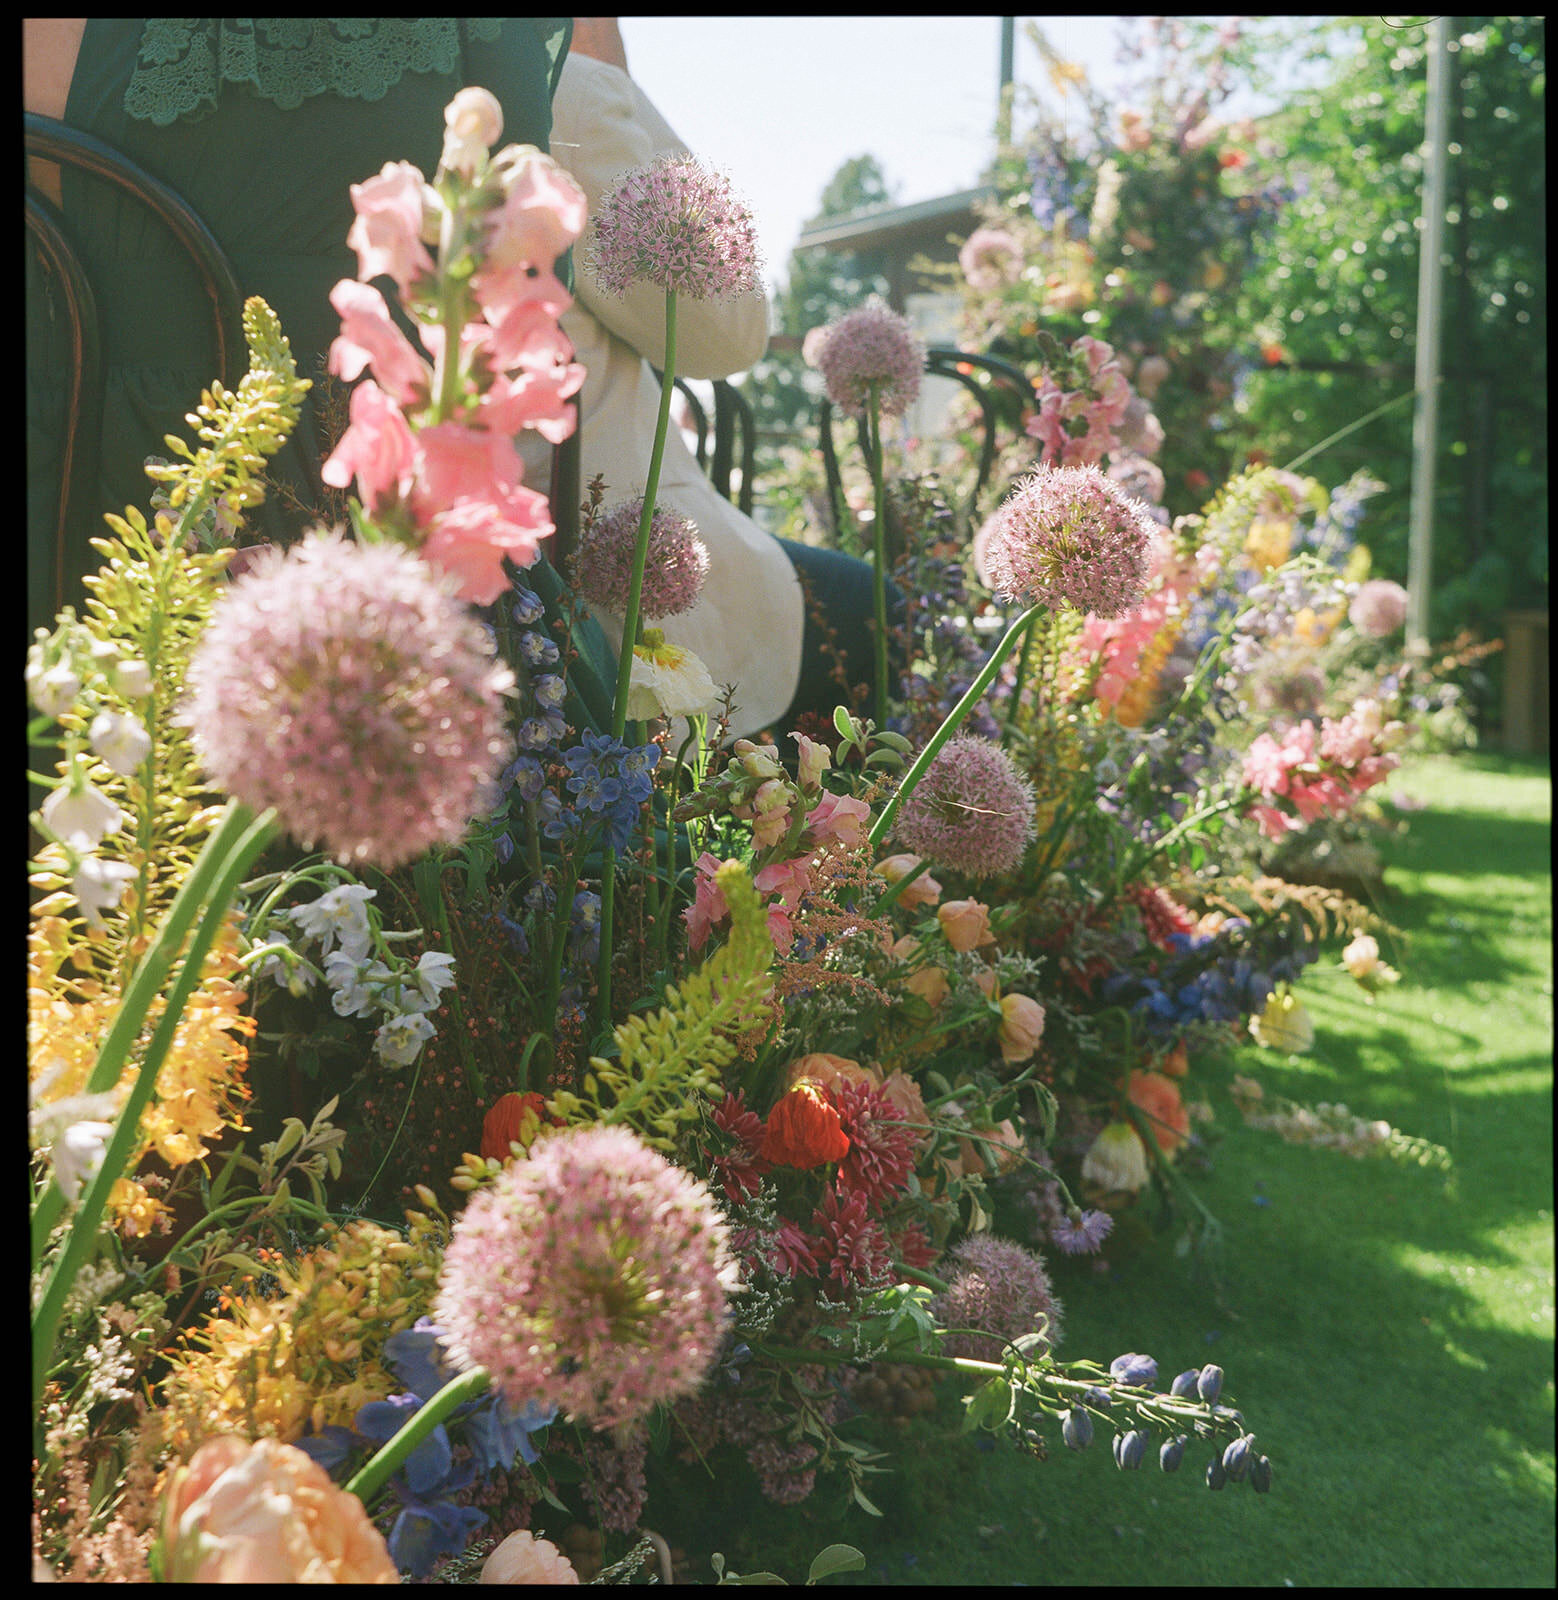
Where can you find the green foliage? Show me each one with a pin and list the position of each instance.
(1337, 283)
(669, 1061)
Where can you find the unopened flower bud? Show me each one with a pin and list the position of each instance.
(1077, 1429)
(1172, 1453)
(1130, 1450)
(1185, 1383)
(1210, 1383)
(1099, 1397)
(1138, 1371)
(1236, 1458)
(1260, 1474)
(132, 679)
(1216, 1478)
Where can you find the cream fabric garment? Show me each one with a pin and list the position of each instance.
(748, 622)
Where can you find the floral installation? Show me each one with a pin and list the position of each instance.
(451, 1109)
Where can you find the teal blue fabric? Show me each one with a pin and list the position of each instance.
(272, 183)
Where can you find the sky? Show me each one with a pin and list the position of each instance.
(780, 103)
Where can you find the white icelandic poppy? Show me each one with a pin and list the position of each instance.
(667, 681)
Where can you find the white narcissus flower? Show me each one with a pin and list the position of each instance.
(99, 886)
(434, 974)
(358, 984)
(667, 681)
(80, 815)
(399, 1042)
(339, 915)
(120, 741)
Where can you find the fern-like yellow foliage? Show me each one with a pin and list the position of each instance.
(151, 601)
(669, 1061)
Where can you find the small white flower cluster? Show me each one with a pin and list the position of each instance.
(73, 1130)
(367, 978)
(72, 675)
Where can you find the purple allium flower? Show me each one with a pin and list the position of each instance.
(1378, 608)
(871, 345)
(592, 1274)
(678, 225)
(674, 568)
(1068, 536)
(1084, 1236)
(972, 810)
(345, 685)
(1001, 1290)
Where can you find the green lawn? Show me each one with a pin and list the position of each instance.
(1389, 1335)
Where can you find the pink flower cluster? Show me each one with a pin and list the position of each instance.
(593, 1275)
(870, 348)
(345, 686)
(1077, 426)
(676, 565)
(1319, 772)
(996, 1292)
(436, 461)
(1378, 608)
(1121, 643)
(990, 258)
(1068, 536)
(971, 811)
(678, 225)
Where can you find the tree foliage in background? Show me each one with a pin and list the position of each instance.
(1337, 283)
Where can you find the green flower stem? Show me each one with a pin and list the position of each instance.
(371, 1476)
(878, 545)
(238, 856)
(145, 986)
(971, 697)
(1133, 865)
(1022, 676)
(632, 634)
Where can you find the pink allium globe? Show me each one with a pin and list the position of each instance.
(674, 569)
(971, 811)
(991, 258)
(592, 1275)
(1378, 608)
(344, 685)
(1068, 536)
(676, 224)
(1000, 1291)
(871, 346)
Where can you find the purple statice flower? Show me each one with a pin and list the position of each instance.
(593, 1275)
(1069, 536)
(1082, 1235)
(971, 811)
(346, 686)
(996, 1291)
(870, 348)
(678, 225)
(675, 566)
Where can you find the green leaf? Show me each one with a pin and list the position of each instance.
(989, 1406)
(835, 1558)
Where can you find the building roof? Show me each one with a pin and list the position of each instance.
(877, 227)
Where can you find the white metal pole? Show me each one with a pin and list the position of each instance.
(1430, 277)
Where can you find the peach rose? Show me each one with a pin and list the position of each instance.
(966, 924)
(261, 1511)
(1022, 1026)
(523, 1558)
(984, 982)
(924, 891)
(828, 1070)
(929, 983)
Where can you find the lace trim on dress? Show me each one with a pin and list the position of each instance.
(183, 61)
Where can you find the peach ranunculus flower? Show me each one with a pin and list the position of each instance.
(1022, 1026)
(523, 1558)
(827, 1070)
(259, 1511)
(966, 924)
(924, 891)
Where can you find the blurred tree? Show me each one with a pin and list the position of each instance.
(820, 285)
(1335, 289)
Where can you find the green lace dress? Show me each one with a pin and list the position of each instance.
(261, 124)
